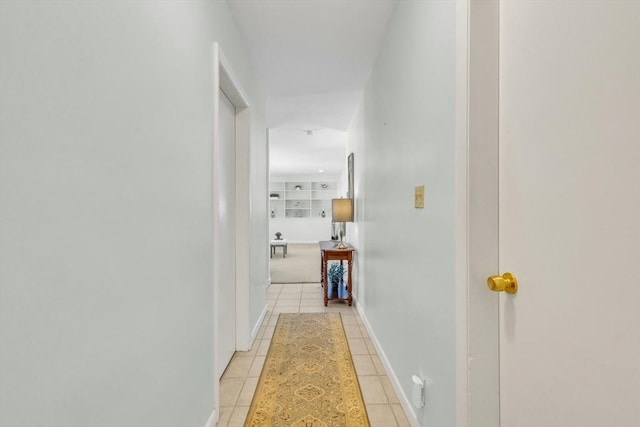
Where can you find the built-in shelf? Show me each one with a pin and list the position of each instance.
(306, 199)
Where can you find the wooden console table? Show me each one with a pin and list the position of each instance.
(329, 252)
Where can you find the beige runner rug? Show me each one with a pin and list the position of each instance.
(308, 379)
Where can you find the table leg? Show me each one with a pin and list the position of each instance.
(321, 268)
(325, 288)
(350, 297)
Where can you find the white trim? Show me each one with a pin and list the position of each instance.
(462, 212)
(404, 401)
(243, 230)
(224, 79)
(216, 218)
(213, 419)
(230, 85)
(477, 123)
(258, 325)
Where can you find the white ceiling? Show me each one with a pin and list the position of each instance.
(313, 59)
(297, 153)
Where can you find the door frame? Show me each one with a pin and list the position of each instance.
(226, 80)
(477, 215)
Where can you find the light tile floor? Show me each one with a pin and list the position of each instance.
(241, 377)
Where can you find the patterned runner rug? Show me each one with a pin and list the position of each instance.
(308, 379)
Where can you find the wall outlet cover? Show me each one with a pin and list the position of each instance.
(419, 196)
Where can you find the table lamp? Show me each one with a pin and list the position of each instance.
(342, 211)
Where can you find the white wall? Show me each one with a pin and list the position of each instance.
(301, 230)
(106, 213)
(407, 123)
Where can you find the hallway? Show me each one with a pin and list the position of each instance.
(518, 119)
(241, 377)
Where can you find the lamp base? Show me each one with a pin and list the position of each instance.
(341, 244)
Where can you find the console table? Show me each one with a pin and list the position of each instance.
(329, 252)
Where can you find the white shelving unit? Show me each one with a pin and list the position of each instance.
(301, 199)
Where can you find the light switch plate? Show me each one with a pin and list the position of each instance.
(419, 196)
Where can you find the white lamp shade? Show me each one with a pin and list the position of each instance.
(342, 210)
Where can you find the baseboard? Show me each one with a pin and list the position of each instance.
(404, 401)
(213, 419)
(257, 326)
(267, 282)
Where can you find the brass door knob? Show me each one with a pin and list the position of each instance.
(507, 283)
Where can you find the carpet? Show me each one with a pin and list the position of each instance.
(302, 264)
(308, 378)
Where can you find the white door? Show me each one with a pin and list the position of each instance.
(570, 213)
(227, 230)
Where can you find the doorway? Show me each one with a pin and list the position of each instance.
(226, 208)
(231, 217)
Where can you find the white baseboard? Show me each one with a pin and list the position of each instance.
(213, 419)
(257, 326)
(404, 401)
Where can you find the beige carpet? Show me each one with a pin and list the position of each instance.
(302, 264)
(308, 378)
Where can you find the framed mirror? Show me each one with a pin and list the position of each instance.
(350, 192)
